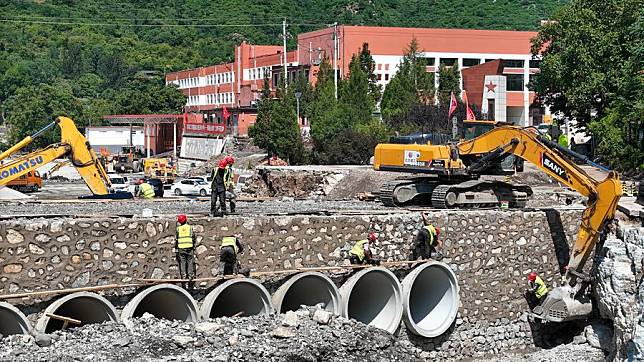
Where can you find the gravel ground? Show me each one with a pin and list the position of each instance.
(564, 352)
(305, 335)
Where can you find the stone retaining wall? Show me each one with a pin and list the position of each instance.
(492, 252)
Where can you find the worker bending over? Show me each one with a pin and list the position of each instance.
(231, 246)
(144, 190)
(219, 175)
(185, 248)
(427, 242)
(361, 252)
(537, 290)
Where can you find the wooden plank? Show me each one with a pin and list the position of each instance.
(64, 319)
(69, 290)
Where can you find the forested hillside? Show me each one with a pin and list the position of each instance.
(89, 52)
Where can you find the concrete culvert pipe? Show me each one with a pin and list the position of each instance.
(163, 301)
(308, 288)
(430, 299)
(373, 296)
(86, 307)
(237, 297)
(12, 321)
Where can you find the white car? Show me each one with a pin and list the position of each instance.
(119, 183)
(191, 187)
(206, 179)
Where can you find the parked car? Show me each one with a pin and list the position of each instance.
(206, 179)
(119, 183)
(191, 187)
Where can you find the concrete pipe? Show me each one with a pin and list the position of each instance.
(86, 307)
(237, 297)
(12, 321)
(373, 296)
(430, 299)
(162, 301)
(308, 288)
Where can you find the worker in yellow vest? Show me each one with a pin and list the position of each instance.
(229, 184)
(361, 252)
(537, 290)
(185, 248)
(427, 242)
(145, 190)
(231, 246)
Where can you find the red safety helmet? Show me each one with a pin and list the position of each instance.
(532, 276)
(182, 219)
(229, 159)
(438, 231)
(222, 163)
(140, 181)
(372, 237)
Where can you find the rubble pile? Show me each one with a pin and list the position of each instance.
(283, 182)
(306, 335)
(619, 293)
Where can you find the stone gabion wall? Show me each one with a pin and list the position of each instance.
(490, 251)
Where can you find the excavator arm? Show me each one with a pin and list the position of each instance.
(603, 197)
(73, 145)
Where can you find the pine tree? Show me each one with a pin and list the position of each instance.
(260, 131)
(284, 132)
(326, 118)
(355, 98)
(449, 81)
(369, 67)
(411, 85)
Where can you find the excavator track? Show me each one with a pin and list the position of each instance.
(467, 194)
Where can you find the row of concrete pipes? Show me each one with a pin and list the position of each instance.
(427, 300)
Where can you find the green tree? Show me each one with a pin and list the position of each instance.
(369, 67)
(590, 72)
(33, 107)
(411, 85)
(260, 131)
(356, 100)
(449, 79)
(276, 128)
(327, 119)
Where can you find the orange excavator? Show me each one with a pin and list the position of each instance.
(74, 146)
(480, 156)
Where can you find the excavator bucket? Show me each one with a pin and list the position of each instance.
(560, 305)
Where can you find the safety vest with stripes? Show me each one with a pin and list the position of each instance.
(229, 241)
(431, 230)
(147, 190)
(358, 249)
(542, 289)
(184, 236)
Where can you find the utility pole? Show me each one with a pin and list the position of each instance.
(335, 58)
(285, 60)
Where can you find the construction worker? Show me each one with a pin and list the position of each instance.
(537, 290)
(427, 241)
(229, 183)
(219, 175)
(185, 249)
(361, 251)
(144, 190)
(228, 262)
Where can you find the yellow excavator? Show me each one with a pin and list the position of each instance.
(477, 155)
(74, 146)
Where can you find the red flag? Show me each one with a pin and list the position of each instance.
(452, 106)
(225, 113)
(470, 114)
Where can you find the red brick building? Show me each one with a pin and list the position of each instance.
(237, 85)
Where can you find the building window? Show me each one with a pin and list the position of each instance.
(534, 63)
(431, 61)
(489, 60)
(490, 109)
(386, 77)
(448, 61)
(513, 63)
(470, 62)
(379, 66)
(515, 82)
(379, 76)
(386, 66)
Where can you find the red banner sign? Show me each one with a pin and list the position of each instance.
(205, 128)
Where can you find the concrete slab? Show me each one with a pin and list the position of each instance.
(629, 206)
(7, 193)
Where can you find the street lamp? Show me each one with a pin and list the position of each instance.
(298, 95)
